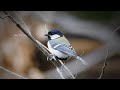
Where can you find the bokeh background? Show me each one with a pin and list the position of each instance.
(94, 35)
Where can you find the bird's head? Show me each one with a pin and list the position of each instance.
(53, 34)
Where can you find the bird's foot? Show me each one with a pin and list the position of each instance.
(51, 57)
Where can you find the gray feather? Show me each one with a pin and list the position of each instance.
(65, 48)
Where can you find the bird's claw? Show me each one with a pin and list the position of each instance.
(51, 57)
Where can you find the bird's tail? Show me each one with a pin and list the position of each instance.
(80, 59)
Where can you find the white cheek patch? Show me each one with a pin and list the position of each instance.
(54, 36)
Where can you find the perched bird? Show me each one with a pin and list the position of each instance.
(60, 47)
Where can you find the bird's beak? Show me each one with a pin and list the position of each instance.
(46, 35)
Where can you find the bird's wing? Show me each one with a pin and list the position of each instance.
(65, 48)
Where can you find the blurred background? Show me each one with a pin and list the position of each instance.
(95, 35)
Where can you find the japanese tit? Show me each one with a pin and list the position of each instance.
(60, 47)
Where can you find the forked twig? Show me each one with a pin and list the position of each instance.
(4, 17)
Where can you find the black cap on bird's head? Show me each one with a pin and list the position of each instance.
(53, 32)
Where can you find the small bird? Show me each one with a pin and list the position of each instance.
(60, 47)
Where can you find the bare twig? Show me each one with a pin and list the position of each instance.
(105, 62)
(4, 17)
(13, 73)
(104, 66)
(59, 71)
(67, 69)
(116, 29)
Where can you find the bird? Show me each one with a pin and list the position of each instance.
(60, 47)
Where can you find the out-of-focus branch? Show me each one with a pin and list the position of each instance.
(13, 73)
(116, 29)
(4, 17)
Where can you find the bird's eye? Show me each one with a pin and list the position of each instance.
(51, 33)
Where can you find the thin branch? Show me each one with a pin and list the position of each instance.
(59, 71)
(105, 62)
(12, 73)
(116, 29)
(104, 66)
(67, 69)
(4, 17)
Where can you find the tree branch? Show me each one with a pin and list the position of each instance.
(104, 66)
(116, 29)
(43, 48)
(13, 73)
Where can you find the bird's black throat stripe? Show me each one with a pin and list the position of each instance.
(61, 58)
